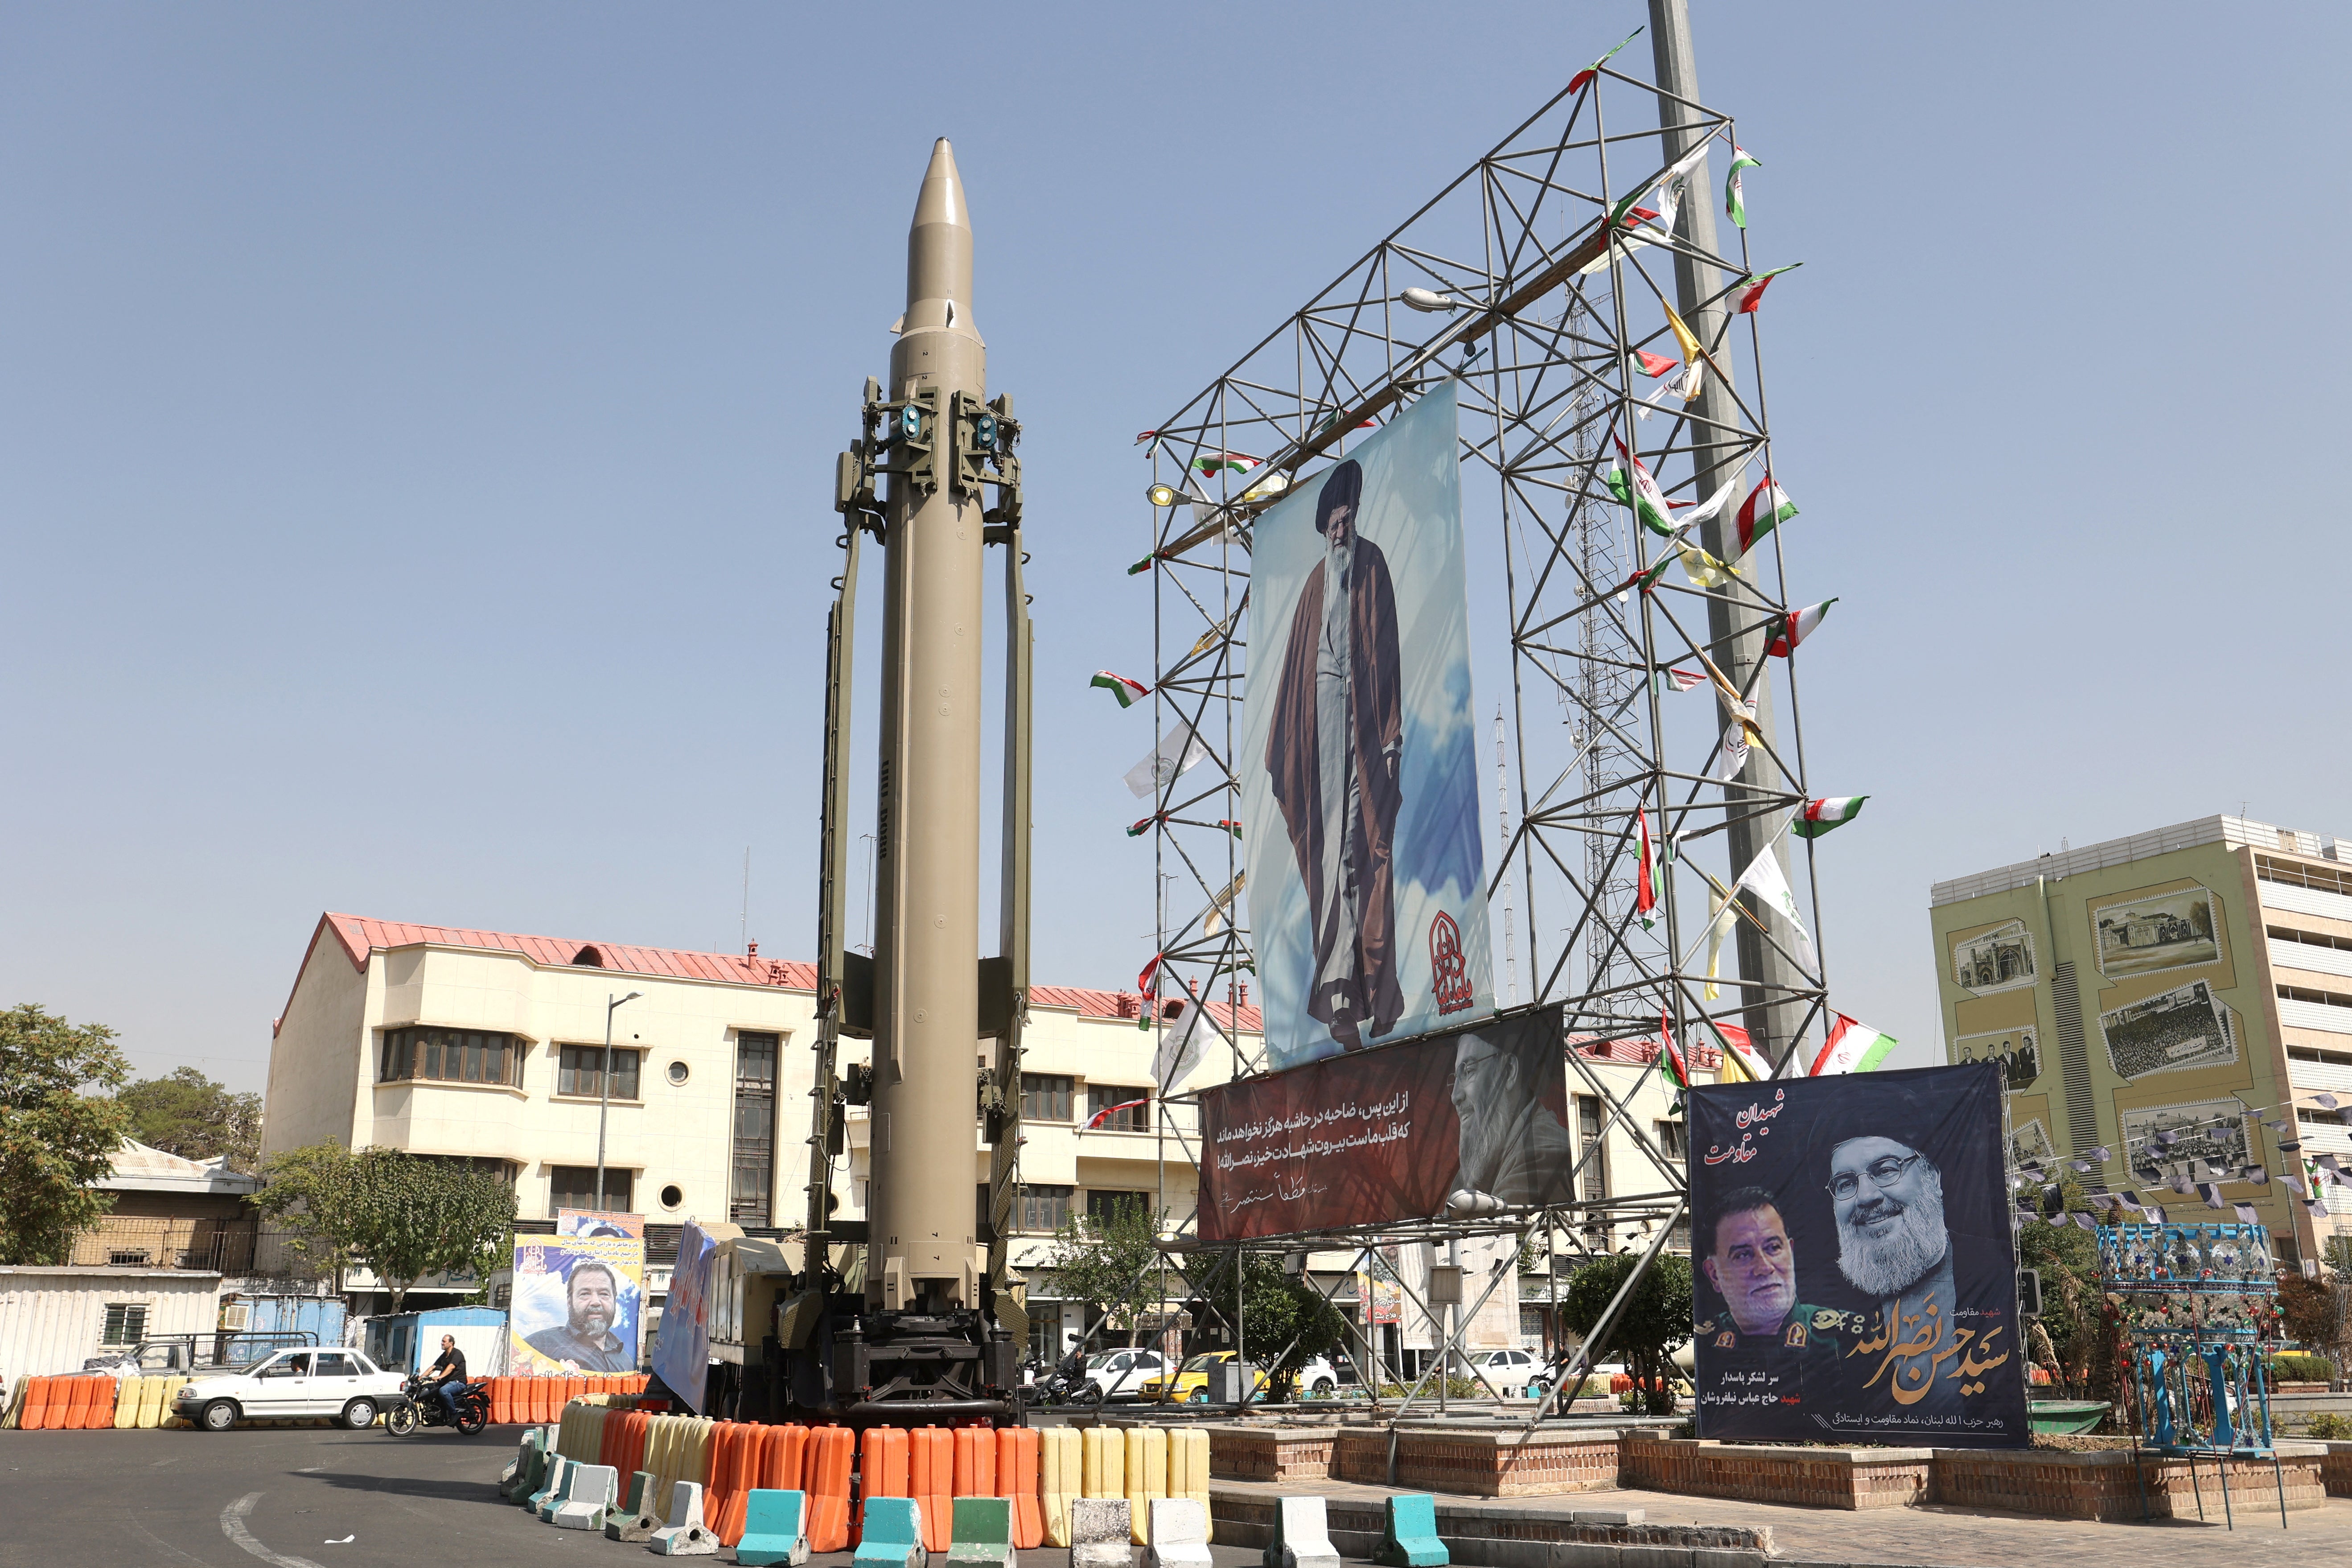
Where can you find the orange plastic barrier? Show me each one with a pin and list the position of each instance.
(544, 1404)
(779, 1471)
(719, 1478)
(744, 1465)
(37, 1404)
(975, 1461)
(77, 1404)
(829, 1453)
(931, 1479)
(1016, 1478)
(101, 1400)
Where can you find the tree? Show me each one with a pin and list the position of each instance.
(189, 1115)
(55, 1137)
(1653, 1326)
(1106, 1260)
(2318, 1312)
(1278, 1316)
(404, 1215)
(2078, 1339)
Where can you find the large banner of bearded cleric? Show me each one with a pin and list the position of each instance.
(1473, 1122)
(1856, 1271)
(1358, 761)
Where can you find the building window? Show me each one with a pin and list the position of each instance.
(1135, 1118)
(1043, 1208)
(1103, 1204)
(748, 1200)
(580, 1068)
(2321, 879)
(1674, 1140)
(574, 1187)
(450, 1056)
(126, 1323)
(1045, 1332)
(1044, 1097)
(2306, 993)
(1594, 1183)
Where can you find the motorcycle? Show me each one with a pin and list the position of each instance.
(1068, 1383)
(420, 1406)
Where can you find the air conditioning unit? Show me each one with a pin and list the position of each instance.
(237, 1316)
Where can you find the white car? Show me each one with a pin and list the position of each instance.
(1119, 1374)
(313, 1381)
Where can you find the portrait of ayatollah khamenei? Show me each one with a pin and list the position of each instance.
(1358, 761)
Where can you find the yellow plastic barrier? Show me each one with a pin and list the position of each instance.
(1060, 1477)
(1188, 1466)
(1147, 1478)
(126, 1402)
(150, 1402)
(1100, 1465)
(172, 1386)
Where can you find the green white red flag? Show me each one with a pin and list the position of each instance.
(1819, 816)
(1851, 1048)
(1576, 83)
(1655, 365)
(1768, 506)
(1648, 502)
(1748, 293)
(1647, 578)
(1798, 625)
(1732, 205)
(1741, 1049)
(1645, 886)
(1670, 1055)
(1239, 462)
(1122, 688)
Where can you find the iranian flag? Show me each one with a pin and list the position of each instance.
(1768, 506)
(1108, 1112)
(1748, 293)
(1140, 829)
(1123, 690)
(1641, 493)
(1741, 1049)
(1655, 365)
(1732, 205)
(1819, 816)
(1798, 625)
(1239, 462)
(1576, 83)
(1648, 577)
(1645, 887)
(1682, 679)
(1851, 1048)
(1143, 979)
(1670, 1055)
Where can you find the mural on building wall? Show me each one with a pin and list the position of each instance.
(2173, 1031)
(1998, 959)
(2144, 936)
(2177, 1145)
(2018, 1052)
(2031, 1145)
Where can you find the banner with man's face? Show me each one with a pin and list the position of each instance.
(1856, 1270)
(1358, 758)
(578, 1296)
(1470, 1122)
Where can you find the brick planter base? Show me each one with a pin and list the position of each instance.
(2336, 1468)
(1809, 1478)
(1472, 1463)
(2104, 1486)
(1270, 1453)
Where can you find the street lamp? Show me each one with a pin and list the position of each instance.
(605, 1087)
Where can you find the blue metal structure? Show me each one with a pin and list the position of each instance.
(2198, 1303)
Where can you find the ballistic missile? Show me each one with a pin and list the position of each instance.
(922, 1252)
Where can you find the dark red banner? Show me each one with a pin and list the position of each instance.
(1475, 1118)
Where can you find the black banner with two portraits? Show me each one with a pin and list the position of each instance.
(1856, 1273)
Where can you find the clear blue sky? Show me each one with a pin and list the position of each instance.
(417, 423)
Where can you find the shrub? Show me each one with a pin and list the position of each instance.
(2328, 1427)
(2290, 1368)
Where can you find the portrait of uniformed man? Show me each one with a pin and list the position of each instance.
(1769, 1342)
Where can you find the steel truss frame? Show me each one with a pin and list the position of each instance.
(1544, 300)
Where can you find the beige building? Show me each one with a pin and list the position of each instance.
(2181, 998)
(488, 1046)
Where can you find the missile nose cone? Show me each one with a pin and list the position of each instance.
(938, 251)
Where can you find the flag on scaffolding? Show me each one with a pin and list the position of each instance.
(1798, 625)
(1641, 493)
(1180, 751)
(1741, 1050)
(1645, 887)
(1819, 816)
(1123, 690)
(1748, 293)
(1576, 83)
(1768, 506)
(1732, 206)
(1670, 1055)
(1851, 1048)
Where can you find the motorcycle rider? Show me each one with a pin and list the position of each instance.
(448, 1375)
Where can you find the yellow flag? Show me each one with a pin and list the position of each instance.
(1683, 335)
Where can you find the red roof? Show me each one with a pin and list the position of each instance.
(359, 936)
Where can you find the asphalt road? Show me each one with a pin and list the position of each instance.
(289, 1497)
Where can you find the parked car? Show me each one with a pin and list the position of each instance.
(195, 1354)
(1189, 1383)
(1318, 1379)
(338, 1382)
(1121, 1373)
(1508, 1371)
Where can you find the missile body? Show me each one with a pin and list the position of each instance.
(922, 1249)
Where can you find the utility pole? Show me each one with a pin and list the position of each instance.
(1772, 1023)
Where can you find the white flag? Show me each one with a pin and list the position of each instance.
(1720, 914)
(1178, 751)
(1765, 878)
(1181, 1049)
